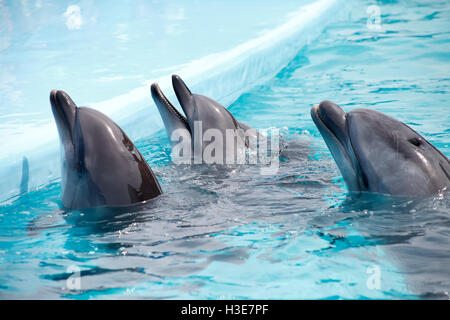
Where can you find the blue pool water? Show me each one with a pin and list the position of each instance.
(296, 234)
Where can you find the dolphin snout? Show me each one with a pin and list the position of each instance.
(53, 94)
(334, 118)
(61, 100)
(157, 94)
(179, 85)
(64, 110)
(184, 96)
(171, 117)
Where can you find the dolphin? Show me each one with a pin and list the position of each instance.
(201, 114)
(379, 154)
(101, 167)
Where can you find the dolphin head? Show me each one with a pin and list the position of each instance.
(198, 109)
(377, 153)
(100, 164)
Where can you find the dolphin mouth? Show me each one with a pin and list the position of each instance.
(332, 123)
(167, 110)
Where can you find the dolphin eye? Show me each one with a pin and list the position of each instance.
(415, 141)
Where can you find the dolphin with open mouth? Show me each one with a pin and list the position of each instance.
(101, 167)
(200, 115)
(377, 153)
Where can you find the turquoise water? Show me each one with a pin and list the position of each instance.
(238, 234)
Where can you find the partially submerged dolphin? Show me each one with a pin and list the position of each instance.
(202, 114)
(101, 167)
(377, 153)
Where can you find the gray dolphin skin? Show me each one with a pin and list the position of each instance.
(101, 167)
(197, 108)
(377, 153)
